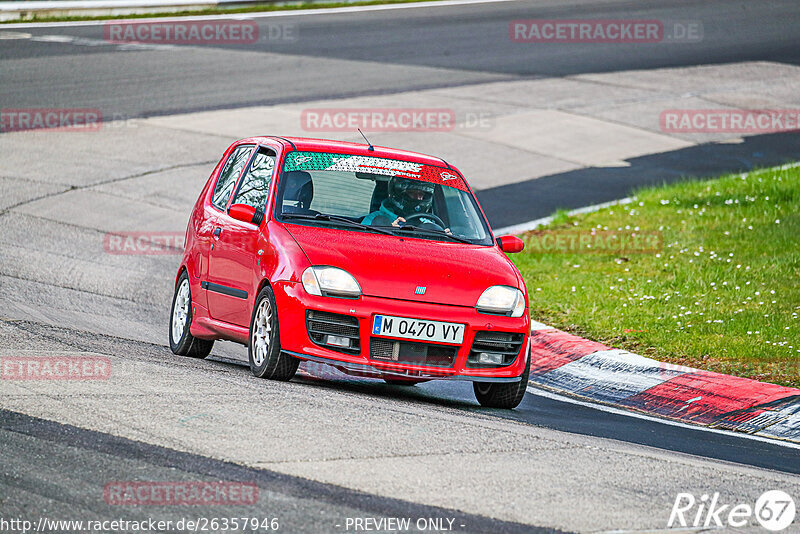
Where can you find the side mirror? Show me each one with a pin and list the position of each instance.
(245, 213)
(510, 244)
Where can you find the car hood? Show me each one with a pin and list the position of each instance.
(387, 266)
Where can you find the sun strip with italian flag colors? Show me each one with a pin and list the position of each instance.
(570, 364)
(324, 161)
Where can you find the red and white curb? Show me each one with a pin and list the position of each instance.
(626, 383)
(581, 368)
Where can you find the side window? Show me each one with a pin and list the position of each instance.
(229, 174)
(255, 185)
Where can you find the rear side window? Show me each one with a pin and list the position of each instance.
(230, 173)
(255, 184)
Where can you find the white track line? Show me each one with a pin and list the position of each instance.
(258, 15)
(619, 411)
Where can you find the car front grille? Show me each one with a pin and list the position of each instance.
(505, 345)
(413, 353)
(322, 326)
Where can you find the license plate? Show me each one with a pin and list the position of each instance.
(419, 329)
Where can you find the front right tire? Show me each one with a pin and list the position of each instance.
(264, 348)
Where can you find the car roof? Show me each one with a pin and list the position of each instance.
(356, 149)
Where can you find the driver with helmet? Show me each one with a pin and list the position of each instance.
(407, 197)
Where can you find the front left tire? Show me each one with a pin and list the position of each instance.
(502, 395)
(181, 340)
(264, 349)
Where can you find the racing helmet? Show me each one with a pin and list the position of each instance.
(408, 196)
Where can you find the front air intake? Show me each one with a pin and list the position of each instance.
(494, 349)
(334, 331)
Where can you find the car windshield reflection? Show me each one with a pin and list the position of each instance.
(379, 195)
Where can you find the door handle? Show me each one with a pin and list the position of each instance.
(217, 232)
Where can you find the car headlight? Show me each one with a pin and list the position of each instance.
(502, 300)
(330, 282)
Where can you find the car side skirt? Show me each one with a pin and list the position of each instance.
(206, 327)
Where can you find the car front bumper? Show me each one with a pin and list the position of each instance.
(293, 302)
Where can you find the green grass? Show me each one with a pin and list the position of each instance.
(255, 8)
(722, 293)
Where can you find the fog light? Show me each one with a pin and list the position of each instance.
(493, 358)
(338, 341)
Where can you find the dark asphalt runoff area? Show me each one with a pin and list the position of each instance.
(77, 464)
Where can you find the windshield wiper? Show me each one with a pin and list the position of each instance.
(434, 231)
(335, 218)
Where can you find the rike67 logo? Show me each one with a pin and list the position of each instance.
(774, 510)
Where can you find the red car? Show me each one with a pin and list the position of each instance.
(374, 260)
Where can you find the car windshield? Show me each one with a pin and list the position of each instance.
(364, 193)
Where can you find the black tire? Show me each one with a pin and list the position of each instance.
(505, 395)
(402, 381)
(186, 344)
(264, 347)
